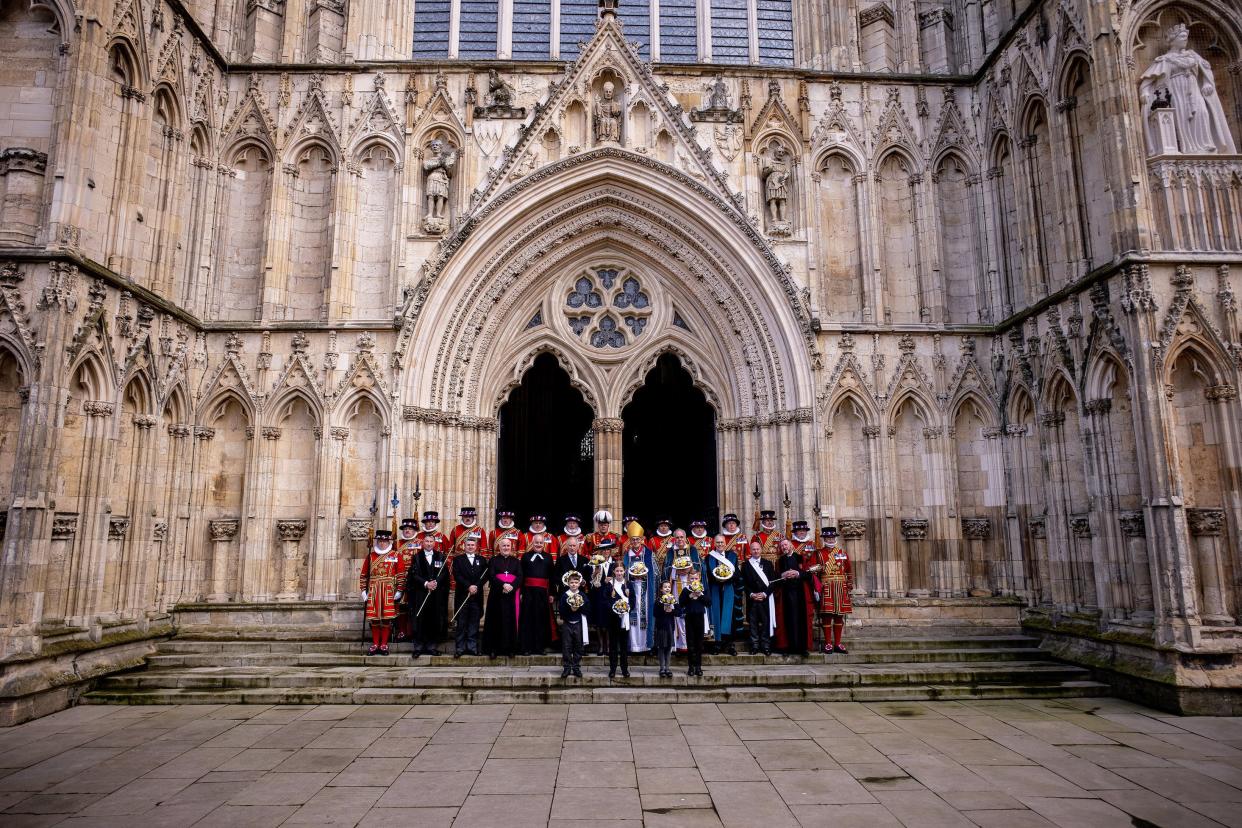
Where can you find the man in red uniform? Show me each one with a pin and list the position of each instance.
(381, 582)
(467, 526)
(735, 540)
(802, 539)
(573, 529)
(431, 526)
(699, 539)
(836, 579)
(768, 536)
(660, 543)
(408, 545)
(506, 529)
(539, 529)
(603, 524)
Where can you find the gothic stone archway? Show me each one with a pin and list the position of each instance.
(509, 286)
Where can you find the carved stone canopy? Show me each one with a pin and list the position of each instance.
(224, 529)
(290, 530)
(913, 529)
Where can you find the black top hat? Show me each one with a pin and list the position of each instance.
(694, 524)
(767, 514)
(383, 534)
(801, 526)
(468, 511)
(729, 517)
(409, 523)
(431, 517)
(538, 518)
(829, 531)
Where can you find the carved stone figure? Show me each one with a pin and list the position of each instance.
(499, 101)
(1179, 84)
(718, 94)
(717, 109)
(607, 116)
(775, 171)
(438, 166)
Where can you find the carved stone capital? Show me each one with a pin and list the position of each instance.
(1220, 393)
(914, 529)
(1080, 525)
(976, 528)
(144, 421)
(852, 528)
(271, 432)
(1100, 406)
(64, 526)
(932, 432)
(118, 527)
(223, 529)
(608, 425)
(159, 531)
(1054, 419)
(290, 530)
(203, 433)
(1038, 527)
(871, 431)
(1205, 522)
(1133, 524)
(96, 408)
(339, 432)
(358, 529)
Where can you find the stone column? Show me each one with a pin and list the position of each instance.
(223, 531)
(22, 172)
(918, 567)
(852, 531)
(608, 466)
(1206, 527)
(1134, 532)
(55, 595)
(290, 533)
(1037, 529)
(976, 531)
(264, 30)
(1082, 565)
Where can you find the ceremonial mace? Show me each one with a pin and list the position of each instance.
(366, 559)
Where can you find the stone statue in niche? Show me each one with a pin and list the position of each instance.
(439, 164)
(776, 170)
(607, 116)
(1184, 110)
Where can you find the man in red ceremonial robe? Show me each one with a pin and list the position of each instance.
(431, 526)
(380, 582)
(699, 539)
(466, 526)
(660, 543)
(768, 536)
(506, 529)
(573, 529)
(408, 544)
(603, 524)
(836, 579)
(794, 590)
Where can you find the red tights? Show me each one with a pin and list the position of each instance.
(380, 631)
(833, 629)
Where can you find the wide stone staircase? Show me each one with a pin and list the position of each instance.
(956, 663)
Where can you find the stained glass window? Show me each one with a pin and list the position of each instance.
(730, 32)
(477, 36)
(679, 40)
(431, 28)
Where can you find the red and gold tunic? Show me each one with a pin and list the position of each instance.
(457, 539)
(771, 544)
(836, 580)
(738, 544)
(441, 540)
(550, 544)
(382, 576)
(518, 545)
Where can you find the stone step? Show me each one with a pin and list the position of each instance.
(621, 691)
(538, 678)
(214, 645)
(857, 655)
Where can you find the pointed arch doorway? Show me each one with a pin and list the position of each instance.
(546, 456)
(669, 450)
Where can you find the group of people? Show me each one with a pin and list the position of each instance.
(669, 591)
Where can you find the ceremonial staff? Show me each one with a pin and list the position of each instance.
(366, 588)
(417, 494)
(756, 494)
(394, 503)
(788, 521)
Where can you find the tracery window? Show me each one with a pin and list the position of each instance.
(607, 307)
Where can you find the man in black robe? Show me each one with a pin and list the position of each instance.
(470, 574)
(427, 586)
(795, 601)
(758, 578)
(500, 627)
(535, 621)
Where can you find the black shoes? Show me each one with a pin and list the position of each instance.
(841, 650)
(612, 674)
(565, 673)
(625, 674)
(577, 673)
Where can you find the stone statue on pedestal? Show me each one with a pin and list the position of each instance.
(1179, 87)
(776, 170)
(607, 116)
(500, 98)
(438, 166)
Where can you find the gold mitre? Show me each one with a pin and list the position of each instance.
(635, 530)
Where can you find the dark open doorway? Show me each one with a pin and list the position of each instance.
(670, 450)
(546, 454)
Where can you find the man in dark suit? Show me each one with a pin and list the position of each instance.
(427, 586)
(570, 559)
(758, 576)
(470, 574)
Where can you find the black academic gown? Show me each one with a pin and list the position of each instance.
(431, 623)
(794, 602)
(535, 623)
(500, 625)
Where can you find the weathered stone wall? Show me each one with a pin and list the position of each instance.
(962, 312)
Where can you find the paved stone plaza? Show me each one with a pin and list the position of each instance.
(1077, 762)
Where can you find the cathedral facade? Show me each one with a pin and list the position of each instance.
(955, 276)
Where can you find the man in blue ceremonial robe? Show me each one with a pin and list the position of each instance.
(645, 586)
(720, 574)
